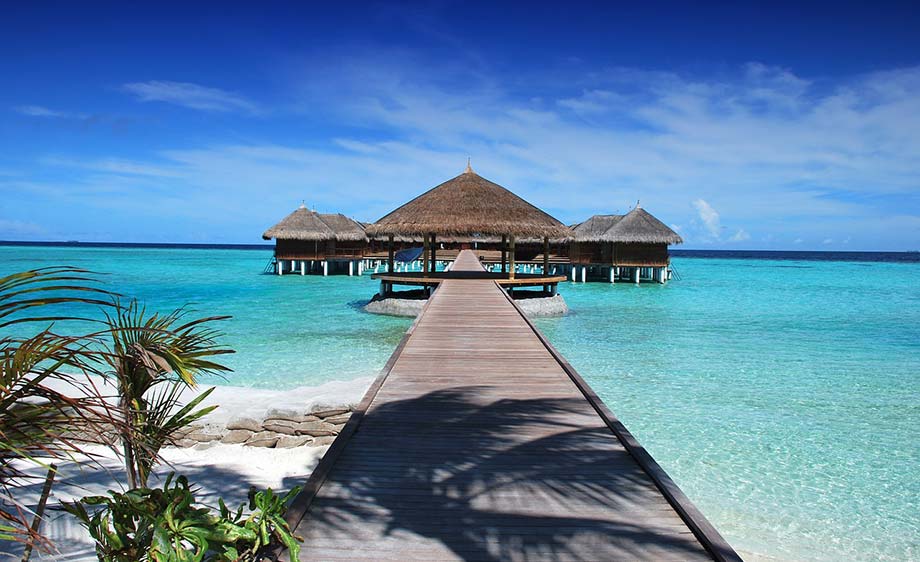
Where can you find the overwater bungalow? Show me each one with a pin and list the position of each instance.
(631, 247)
(319, 243)
(462, 211)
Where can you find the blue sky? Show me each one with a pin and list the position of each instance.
(761, 125)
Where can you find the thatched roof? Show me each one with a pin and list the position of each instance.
(344, 227)
(453, 239)
(467, 205)
(304, 224)
(593, 229)
(637, 225)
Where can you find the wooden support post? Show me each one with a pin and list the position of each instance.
(390, 254)
(636, 274)
(325, 268)
(572, 271)
(504, 253)
(425, 253)
(584, 273)
(434, 253)
(279, 266)
(611, 275)
(303, 267)
(545, 255)
(511, 259)
(351, 268)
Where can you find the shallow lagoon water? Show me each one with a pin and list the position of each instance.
(287, 332)
(783, 396)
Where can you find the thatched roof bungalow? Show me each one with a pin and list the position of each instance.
(465, 206)
(468, 207)
(311, 241)
(630, 244)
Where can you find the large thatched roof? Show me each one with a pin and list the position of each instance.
(467, 205)
(304, 224)
(637, 225)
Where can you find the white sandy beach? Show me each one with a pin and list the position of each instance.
(217, 470)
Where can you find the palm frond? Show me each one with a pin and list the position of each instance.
(38, 288)
(153, 357)
(36, 420)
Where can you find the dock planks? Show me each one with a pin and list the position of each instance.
(479, 442)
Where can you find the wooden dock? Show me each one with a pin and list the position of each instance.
(479, 442)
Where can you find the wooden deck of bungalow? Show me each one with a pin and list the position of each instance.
(478, 441)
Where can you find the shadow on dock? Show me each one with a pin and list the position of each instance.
(469, 496)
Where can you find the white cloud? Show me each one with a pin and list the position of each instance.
(740, 236)
(40, 111)
(593, 101)
(709, 216)
(828, 241)
(193, 96)
(357, 146)
(17, 229)
(797, 241)
(113, 166)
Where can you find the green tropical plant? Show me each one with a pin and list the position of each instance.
(153, 358)
(38, 421)
(266, 521)
(166, 525)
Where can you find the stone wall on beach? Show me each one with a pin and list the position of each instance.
(282, 429)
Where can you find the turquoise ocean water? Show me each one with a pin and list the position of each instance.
(782, 395)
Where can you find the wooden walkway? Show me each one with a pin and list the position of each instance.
(479, 442)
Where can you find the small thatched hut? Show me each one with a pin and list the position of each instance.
(631, 247)
(314, 242)
(468, 207)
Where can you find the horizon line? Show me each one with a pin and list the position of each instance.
(254, 246)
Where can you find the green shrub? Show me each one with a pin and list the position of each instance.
(166, 525)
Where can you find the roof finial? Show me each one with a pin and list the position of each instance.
(638, 206)
(469, 166)
(303, 203)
